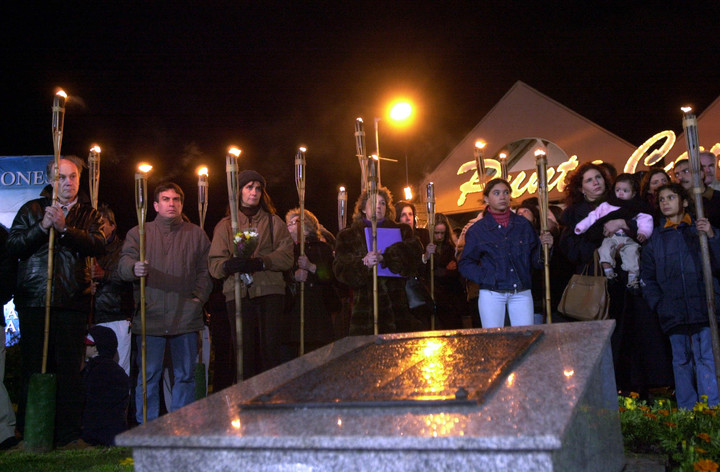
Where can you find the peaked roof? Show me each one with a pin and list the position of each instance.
(522, 113)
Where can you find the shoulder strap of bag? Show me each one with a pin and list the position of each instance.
(596, 263)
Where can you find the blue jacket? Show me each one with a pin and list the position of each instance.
(500, 258)
(671, 268)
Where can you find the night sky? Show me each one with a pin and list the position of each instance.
(177, 83)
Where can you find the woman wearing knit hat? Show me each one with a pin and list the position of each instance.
(265, 329)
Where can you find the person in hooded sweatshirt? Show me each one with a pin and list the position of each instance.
(106, 389)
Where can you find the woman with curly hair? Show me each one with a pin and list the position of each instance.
(354, 263)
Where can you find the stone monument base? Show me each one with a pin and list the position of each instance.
(553, 409)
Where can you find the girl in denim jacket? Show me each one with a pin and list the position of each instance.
(500, 251)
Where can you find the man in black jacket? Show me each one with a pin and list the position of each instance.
(77, 235)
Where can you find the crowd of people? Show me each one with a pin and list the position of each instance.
(642, 226)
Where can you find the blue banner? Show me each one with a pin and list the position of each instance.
(22, 178)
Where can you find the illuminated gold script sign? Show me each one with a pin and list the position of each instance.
(520, 183)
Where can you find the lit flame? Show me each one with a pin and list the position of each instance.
(686, 109)
(503, 155)
(144, 168)
(569, 373)
(234, 151)
(359, 119)
(339, 422)
(61, 93)
(408, 193)
(303, 149)
(236, 423)
(539, 152)
(374, 156)
(480, 144)
(342, 189)
(95, 148)
(203, 171)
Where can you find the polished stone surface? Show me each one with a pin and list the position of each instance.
(556, 409)
(455, 368)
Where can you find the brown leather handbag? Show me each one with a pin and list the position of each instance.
(586, 296)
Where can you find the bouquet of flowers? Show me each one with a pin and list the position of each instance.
(246, 242)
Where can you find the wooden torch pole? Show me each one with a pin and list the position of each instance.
(141, 210)
(691, 135)
(300, 184)
(231, 169)
(542, 191)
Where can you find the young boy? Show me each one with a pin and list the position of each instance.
(624, 206)
(672, 272)
(107, 389)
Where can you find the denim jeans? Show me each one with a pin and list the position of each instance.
(491, 306)
(183, 350)
(692, 360)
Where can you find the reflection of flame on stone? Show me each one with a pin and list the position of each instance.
(442, 424)
(429, 358)
(511, 379)
(236, 424)
(339, 422)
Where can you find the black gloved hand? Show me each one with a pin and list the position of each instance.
(399, 259)
(244, 266)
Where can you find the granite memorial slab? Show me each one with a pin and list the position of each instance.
(546, 400)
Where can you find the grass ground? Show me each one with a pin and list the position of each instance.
(100, 459)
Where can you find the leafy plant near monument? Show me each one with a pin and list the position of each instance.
(690, 438)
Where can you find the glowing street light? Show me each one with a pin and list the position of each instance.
(400, 113)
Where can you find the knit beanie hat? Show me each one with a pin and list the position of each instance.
(247, 176)
(105, 340)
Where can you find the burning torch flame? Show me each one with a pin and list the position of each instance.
(479, 144)
(203, 171)
(144, 168)
(234, 151)
(95, 148)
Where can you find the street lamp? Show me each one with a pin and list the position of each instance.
(400, 112)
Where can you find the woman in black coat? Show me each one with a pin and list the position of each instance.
(315, 270)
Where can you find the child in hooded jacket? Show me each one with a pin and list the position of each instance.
(671, 269)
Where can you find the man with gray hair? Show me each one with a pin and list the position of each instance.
(708, 161)
(78, 235)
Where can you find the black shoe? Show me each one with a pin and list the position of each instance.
(9, 443)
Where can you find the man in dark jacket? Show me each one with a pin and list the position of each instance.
(177, 286)
(78, 235)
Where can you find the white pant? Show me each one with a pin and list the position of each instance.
(124, 338)
(491, 306)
